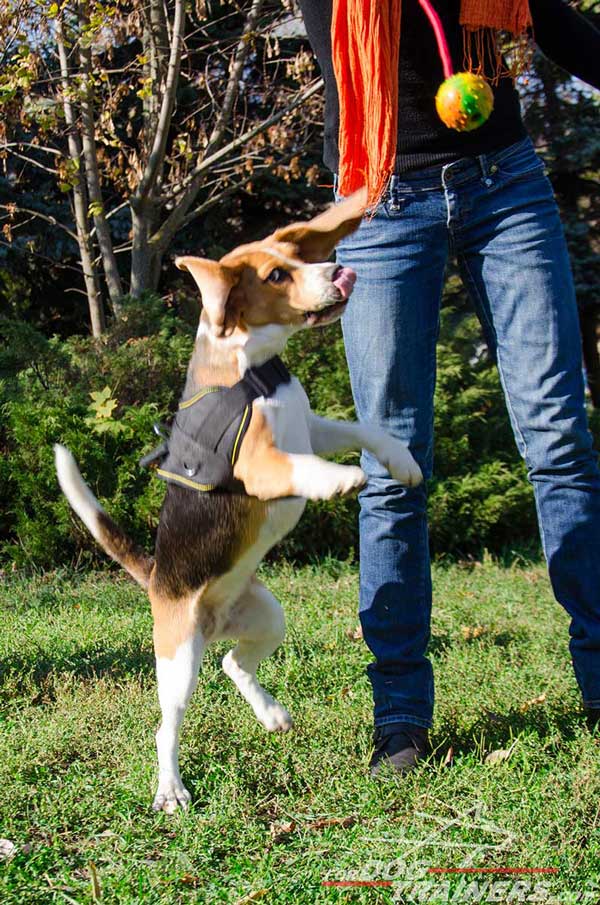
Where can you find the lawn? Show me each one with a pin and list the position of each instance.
(276, 817)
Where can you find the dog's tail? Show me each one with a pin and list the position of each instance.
(108, 534)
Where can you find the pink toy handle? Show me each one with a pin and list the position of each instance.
(439, 36)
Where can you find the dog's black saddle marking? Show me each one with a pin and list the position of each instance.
(208, 429)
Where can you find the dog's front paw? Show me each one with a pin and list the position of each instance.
(316, 479)
(400, 463)
(336, 480)
(352, 478)
(273, 716)
(171, 794)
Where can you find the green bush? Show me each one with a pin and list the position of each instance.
(101, 400)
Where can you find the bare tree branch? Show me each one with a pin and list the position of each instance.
(165, 233)
(218, 197)
(157, 154)
(51, 220)
(34, 163)
(31, 144)
(235, 75)
(90, 157)
(79, 193)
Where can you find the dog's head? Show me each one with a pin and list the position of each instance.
(282, 281)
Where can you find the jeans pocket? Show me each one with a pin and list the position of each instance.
(520, 161)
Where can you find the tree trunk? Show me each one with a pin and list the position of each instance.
(140, 250)
(162, 238)
(109, 261)
(143, 201)
(80, 200)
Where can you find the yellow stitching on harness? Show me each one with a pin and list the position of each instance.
(186, 481)
(200, 395)
(239, 434)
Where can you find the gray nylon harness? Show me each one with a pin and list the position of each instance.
(208, 429)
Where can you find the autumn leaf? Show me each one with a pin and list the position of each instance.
(331, 821)
(469, 632)
(280, 830)
(252, 897)
(502, 754)
(539, 699)
(355, 634)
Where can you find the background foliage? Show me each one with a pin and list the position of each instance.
(102, 402)
(101, 397)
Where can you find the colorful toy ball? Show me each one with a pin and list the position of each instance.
(464, 101)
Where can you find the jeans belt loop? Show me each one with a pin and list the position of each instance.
(486, 170)
(392, 190)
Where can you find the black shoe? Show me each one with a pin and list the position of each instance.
(398, 747)
(592, 716)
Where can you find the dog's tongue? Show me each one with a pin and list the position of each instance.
(345, 278)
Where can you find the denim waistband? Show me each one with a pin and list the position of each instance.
(460, 171)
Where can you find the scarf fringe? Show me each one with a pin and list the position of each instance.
(365, 41)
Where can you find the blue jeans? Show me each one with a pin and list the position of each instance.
(497, 214)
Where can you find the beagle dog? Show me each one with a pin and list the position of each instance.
(201, 581)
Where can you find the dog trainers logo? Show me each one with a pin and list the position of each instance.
(420, 883)
(414, 879)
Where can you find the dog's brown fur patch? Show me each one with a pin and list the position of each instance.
(174, 620)
(124, 550)
(265, 471)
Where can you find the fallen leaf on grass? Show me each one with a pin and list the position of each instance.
(7, 849)
(540, 699)
(189, 880)
(252, 897)
(449, 759)
(331, 821)
(355, 634)
(502, 754)
(279, 830)
(469, 632)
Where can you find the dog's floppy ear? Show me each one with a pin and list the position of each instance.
(317, 238)
(215, 283)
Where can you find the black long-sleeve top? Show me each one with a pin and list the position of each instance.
(560, 32)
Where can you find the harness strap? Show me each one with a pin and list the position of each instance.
(256, 382)
(205, 438)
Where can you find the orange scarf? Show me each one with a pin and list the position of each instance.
(365, 42)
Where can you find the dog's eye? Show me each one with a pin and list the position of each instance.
(278, 276)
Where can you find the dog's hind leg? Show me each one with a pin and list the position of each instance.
(179, 645)
(257, 620)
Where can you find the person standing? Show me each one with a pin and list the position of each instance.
(483, 197)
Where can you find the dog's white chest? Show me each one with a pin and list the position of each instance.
(287, 412)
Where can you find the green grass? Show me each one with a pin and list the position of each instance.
(77, 763)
